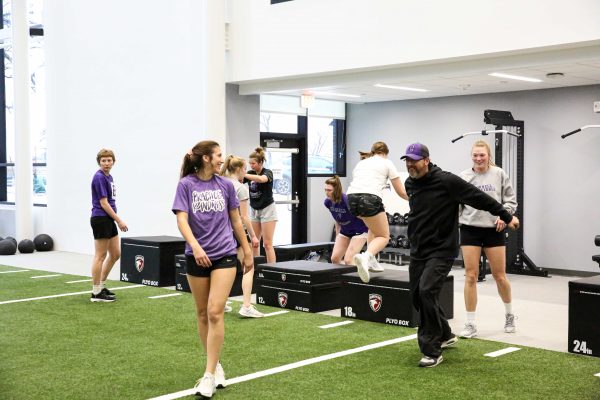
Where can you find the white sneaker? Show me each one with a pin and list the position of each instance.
(373, 264)
(228, 307)
(250, 312)
(509, 324)
(206, 385)
(362, 266)
(469, 331)
(220, 376)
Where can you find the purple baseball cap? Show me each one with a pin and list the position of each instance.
(416, 151)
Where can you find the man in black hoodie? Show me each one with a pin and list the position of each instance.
(434, 198)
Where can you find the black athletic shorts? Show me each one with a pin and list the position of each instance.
(103, 227)
(481, 237)
(204, 272)
(365, 204)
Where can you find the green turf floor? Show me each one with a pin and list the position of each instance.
(137, 348)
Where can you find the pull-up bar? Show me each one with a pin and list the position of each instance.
(484, 133)
(579, 130)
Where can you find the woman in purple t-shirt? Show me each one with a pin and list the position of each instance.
(106, 236)
(207, 211)
(351, 232)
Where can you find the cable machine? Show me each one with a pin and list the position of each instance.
(509, 144)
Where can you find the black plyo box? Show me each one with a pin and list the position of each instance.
(291, 252)
(584, 314)
(307, 286)
(387, 298)
(150, 260)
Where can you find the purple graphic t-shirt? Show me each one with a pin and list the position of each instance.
(103, 186)
(207, 204)
(349, 224)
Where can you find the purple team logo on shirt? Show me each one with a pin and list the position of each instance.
(207, 201)
(139, 263)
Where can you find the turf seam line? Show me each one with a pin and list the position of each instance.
(81, 280)
(45, 276)
(10, 272)
(276, 313)
(336, 324)
(63, 295)
(294, 365)
(164, 295)
(502, 352)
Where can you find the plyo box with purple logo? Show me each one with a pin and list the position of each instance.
(150, 260)
(300, 285)
(387, 298)
(584, 314)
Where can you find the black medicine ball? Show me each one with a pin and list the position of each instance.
(43, 242)
(26, 246)
(7, 247)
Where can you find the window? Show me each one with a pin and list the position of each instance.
(278, 122)
(326, 146)
(37, 106)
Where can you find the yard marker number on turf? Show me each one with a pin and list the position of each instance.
(81, 280)
(45, 276)
(10, 272)
(298, 364)
(502, 352)
(336, 324)
(165, 295)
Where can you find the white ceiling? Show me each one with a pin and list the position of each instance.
(469, 75)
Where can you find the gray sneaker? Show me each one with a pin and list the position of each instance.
(250, 312)
(469, 331)
(449, 342)
(374, 265)
(509, 324)
(428, 362)
(228, 307)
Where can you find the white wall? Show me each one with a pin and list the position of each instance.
(313, 36)
(129, 76)
(561, 190)
(243, 122)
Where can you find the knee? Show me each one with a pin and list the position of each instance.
(470, 279)
(337, 259)
(347, 260)
(215, 313)
(100, 257)
(115, 255)
(267, 244)
(500, 278)
(202, 315)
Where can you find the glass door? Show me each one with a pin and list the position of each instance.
(283, 158)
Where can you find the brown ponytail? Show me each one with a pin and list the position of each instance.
(192, 161)
(259, 155)
(380, 148)
(232, 163)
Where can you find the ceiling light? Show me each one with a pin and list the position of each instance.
(516, 77)
(400, 88)
(335, 94)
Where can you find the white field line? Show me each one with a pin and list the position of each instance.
(294, 365)
(336, 324)
(45, 276)
(598, 374)
(63, 295)
(502, 352)
(81, 280)
(164, 295)
(10, 272)
(276, 313)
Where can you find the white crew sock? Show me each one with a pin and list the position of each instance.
(508, 308)
(471, 316)
(102, 284)
(96, 289)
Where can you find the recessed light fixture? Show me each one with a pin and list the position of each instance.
(335, 94)
(516, 77)
(400, 88)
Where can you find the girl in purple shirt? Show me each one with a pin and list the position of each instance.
(207, 211)
(351, 232)
(106, 236)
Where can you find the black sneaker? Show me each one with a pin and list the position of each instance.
(108, 292)
(102, 297)
(429, 362)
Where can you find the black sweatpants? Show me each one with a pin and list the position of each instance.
(426, 280)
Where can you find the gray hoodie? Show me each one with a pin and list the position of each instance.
(496, 184)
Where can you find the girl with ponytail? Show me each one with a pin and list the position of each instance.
(234, 169)
(263, 211)
(207, 210)
(351, 232)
